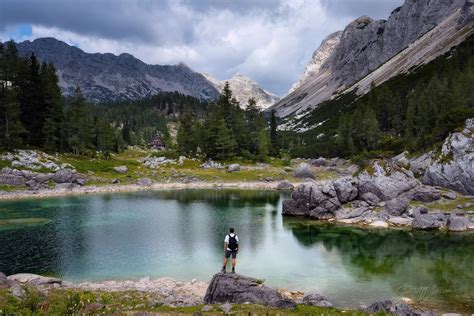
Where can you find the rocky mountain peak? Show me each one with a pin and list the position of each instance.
(106, 77)
(366, 44)
(244, 88)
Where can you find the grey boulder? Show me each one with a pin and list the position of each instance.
(34, 279)
(346, 189)
(429, 221)
(146, 182)
(285, 185)
(304, 171)
(316, 300)
(397, 309)
(396, 207)
(458, 223)
(370, 198)
(233, 167)
(238, 289)
(425, 194)
(10, 179)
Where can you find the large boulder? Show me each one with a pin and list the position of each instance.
(238, 289)
(454, 168)
(424, 194)
(304, 171)
(397, 207)
(320, 162)
(313, 200)
(458, 223)
(397, 309)
(386, 180)
(428, 221)
(346, 189)
(316, 300)
(65, 176)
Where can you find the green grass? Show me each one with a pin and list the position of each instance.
(80, 302)
(11, 188)
(446, 205)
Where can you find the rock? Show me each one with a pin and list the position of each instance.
(396, 207)
(115, 181)
(207, 308)
(346, 189)
(3, 281)
(380, 224)
(454, 168)
(400, 221)
(121, 169)
(313, 200)
(320, 162)
(233, 167)
(33, 279)
(67, 186)
(146, 182)
(285, 185)
(181, 160)
(81, 182)
(419, 164)
(316, 300)
(17, 291)
(426, 222)
(10, 179)
(425, 194)
(449, 195)
(458, 223)
(386, 180)
(238, 289)
(226, 307)
(352, 213)
(397, 309)
(64, 176)
(370, 198)
(304, 171)
(212, 165)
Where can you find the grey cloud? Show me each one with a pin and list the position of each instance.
(268, 40)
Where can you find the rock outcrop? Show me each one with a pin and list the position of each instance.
(454, 168)
(393, 308)
(235, 288)
(304, 171)
(370, 51)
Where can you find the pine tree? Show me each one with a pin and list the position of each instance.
(225, 143)
(80, 125)
(275, 144)
(54, 117)
(263, 144)
(185, 139)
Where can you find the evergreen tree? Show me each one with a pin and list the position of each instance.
(185, 139)
(80, 125)
(225, 143)
(54, 117)
(274, 134)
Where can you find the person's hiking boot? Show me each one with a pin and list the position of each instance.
(233, 270)
(223, 269)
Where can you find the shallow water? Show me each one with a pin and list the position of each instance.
(180, 234)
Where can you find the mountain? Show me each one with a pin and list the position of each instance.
(244, 88)
(107, 77)
(370, 52)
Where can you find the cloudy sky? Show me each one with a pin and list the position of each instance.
(268, 40)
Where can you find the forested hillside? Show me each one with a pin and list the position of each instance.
(411, 112)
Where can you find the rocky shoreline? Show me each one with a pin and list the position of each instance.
(224, 291)
(56, 192)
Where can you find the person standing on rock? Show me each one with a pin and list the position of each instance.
(231, 247)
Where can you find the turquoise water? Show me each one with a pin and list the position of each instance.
(180, 234)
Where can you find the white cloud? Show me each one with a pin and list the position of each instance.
(270, 41)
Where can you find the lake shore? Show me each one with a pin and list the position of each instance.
(124, 188)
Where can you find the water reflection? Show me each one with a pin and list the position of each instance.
(425, 266)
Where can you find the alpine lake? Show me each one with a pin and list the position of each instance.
(180, 234)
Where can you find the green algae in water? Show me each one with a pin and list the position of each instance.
(22, 222)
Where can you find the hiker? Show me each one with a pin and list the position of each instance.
(231, 247)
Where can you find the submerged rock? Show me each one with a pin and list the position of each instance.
(238, 289)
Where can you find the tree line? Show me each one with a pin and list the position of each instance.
(413, 112)
(33, 114)
(226, 130)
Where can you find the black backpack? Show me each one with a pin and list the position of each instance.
(232, 245)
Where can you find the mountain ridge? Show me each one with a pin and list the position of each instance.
(366, 44)
(109, 77)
